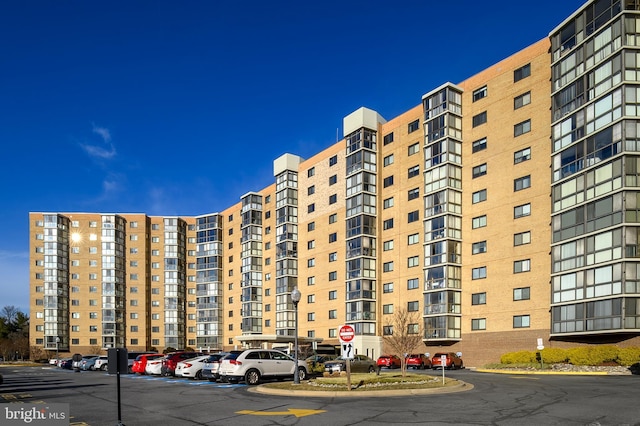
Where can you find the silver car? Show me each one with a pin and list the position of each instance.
(359, 364)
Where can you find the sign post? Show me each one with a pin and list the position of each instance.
(443, 363)
(346, 335)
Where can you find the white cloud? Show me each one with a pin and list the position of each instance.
(103, 132)
(105, 152)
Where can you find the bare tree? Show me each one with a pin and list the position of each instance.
(405, 335)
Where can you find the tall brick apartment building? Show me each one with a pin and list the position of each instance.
(501, 210)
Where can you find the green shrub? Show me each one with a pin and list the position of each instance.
(628, 356)
(554, 355)
(520, 357)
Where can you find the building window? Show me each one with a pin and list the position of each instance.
(522, 128)
(311, 226)
(387, 224)
(479, 247)
(388, 160)
(522, 72)
(311, 208)
(413, 306)
(522, 238)
(333, 237)
(479, 324)
(333, 160)
(479, 196)
(311, 262)
(311, 190)
(413, 171)
(521, 211)
(522, 100)
(333, 294)
(387, 266)
(333, 180)
(479, 119)
(387, 245)
(387, 330)
(479, 298)
(479, 273)
(388, 181)
(388, 203)
(412, 194)
(311, 172)
(413, 261)
(521, 293)
(333, 199)
(479, 145)
(480, 170)
(521, 321)
(310, 281)
(479, 222)
(522, 183)
(480, 93)
(413, 239)
(412, 283)
(333, 218)
(413, 126)
(387, 309)
(522, 155)
(333, 333)
(387, 288)
(413, 216)
(333, 314)
(333, 256)
(387, 139)
(311, 298)
(413, 149)
(521, 266)
(333, 275)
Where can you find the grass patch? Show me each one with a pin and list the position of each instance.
(368, 382)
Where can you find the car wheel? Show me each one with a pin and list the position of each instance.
(199, 375)
(302, 373)
(104, 367)
(252, 377)
(372, 369)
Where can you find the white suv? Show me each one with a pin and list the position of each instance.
(254, 364)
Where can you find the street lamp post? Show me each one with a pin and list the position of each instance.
(295, 298)
(57, 344)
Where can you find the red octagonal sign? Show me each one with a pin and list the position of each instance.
(346, 333)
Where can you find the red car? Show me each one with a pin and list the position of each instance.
(452, 361)
(389, 361)
(171, 360)
(140, 362)
(418, 361)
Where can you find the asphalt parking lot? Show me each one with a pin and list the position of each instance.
(496, 399)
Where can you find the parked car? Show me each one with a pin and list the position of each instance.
(131, 358)
(170, 361)
(101, 363)
(140, 363)
(53, 361)
(211, 366)
(389, 361)
(66, 363)
(154, 366)
(359, 364)
(191, 367)
(88, 362)
(418, 361)
(253, 365)
(453, 361)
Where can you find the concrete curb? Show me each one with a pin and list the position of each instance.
(265, 389)
(549, 373)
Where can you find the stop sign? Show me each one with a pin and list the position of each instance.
(346, 333)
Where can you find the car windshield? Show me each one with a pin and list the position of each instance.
(232, 356)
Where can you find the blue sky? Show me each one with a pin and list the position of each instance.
(180, 107)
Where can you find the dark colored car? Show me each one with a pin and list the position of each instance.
(359, 364)
(66, 363)
(389, 361)
(452, 361)
(140, 363)
(171, 360)
(418, 361)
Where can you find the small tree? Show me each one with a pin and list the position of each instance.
(405, 335)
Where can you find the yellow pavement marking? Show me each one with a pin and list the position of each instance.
(290, 412)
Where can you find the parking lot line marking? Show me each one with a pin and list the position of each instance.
(298, 412)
